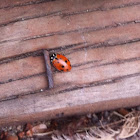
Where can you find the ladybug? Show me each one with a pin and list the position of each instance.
(60, 62)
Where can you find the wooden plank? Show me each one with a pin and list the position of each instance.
(34, 8)
(105, 95)
(23, 87)
(36, 84)
(100, 38)
(21, 69)
(35, 65)
(27, 29)
(96, 64)
(128, 32)
(30, 66)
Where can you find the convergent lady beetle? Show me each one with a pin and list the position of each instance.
(60, 62)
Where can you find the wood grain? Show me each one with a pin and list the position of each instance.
(8, 4)
(120, 34)
(86, 99)
(33, 8)
(97, 64)
(100, 38)
(25, 30)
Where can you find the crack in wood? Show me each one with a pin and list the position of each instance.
(12, 97)
(86, 63)
(38, 53)
(21, 56)
(26, 4)
(22, 78)
(82, 86)
(105, 44)
(100, 9)
(119, 61)
(62, 48)
(99, 83)
(29, 18)
(59, 13)
(91, 46)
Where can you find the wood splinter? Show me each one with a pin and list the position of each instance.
(48, 69)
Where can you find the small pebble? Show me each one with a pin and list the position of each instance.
(19, 128)
(41, 90)
(89, 115)
(10, 128)
(95, 118)
(106, 114)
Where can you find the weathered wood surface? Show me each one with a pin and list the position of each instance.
(100, 38)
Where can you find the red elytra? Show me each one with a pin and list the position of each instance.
(60, 62)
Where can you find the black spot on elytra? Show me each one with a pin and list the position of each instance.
(66, 61)
(62, 66)
(56, 58)
(67, 69)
